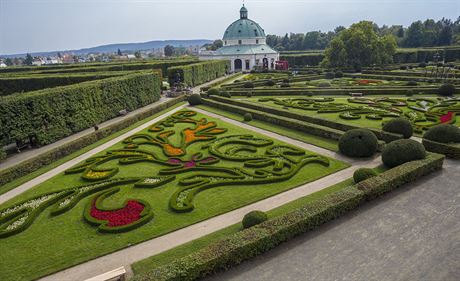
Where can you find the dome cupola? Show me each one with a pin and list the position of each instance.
(244, 28)
(243, 12)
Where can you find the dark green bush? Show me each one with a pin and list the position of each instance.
(422, 64)
(410, 93)
(412, 83)
(329, 75)
(285, 85)
(338, 74)
(446, 89)
(444, 133)
(363, 174)
(270, 83)
(253, 218)
(401, 151)
(286, 80)
(403, 67)
(247, 117)
(248, 85)
(197, 73)
(2, 154)
(310, 94)
(324, 84)
(194, 99)
(213, 92)
(358, 143)
(225, 94)
(400, 126)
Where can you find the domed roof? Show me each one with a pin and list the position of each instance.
(244, 28)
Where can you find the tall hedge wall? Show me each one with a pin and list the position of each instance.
(52, 114)
(10, 85)
(310, 59)
(198, 73)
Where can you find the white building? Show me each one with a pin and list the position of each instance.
(244, 45)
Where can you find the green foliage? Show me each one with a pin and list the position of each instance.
(247, 117)
(52, 114)
(285, 85)
(444, 133)
(412, 83)
(197, 73)
(449, 150)
(270, 83)
(401, 151)
(400, 126)
(338, 74)
(2, 154)
(254, 218)
(169, 50)
(225, 94)
(363, 174)
(360, 46)
(324, 84)
(446, 89)
(194, 99)
(248, 85)
(358, 143)
(329, 75)
(213, 92)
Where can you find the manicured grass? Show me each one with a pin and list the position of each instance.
(29, 254)
(15, 183)
(293, 134)
(166, 257)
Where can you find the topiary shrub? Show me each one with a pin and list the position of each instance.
(400, 126)
(410, 93)
(358, 143)
(446, 89)
(403, 67)
(213, 92)
(363, 174)
(270, 83)
(286, 80)
(411, 83)
(248, 85)
(225, 94)
(422, 64)
(248, 117)
(324, 84)
(444, 133)
(194, 99)
(310, 94)
(401, 151)
(285, 85)
(338, 74)
(253, 218)
(329, 75)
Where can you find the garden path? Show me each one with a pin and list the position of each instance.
(129, 255)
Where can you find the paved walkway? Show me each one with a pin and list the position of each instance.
(412, 233)
(127, 256)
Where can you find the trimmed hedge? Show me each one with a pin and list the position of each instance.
(247, 117)
(254, 218)
(52, 114)
(33, 164)
(253, 241)
(194, 99)
(447, 89)
(10, 85)
(444, 133)
(198, 73)
(401, 151)
(450, 150)
(400, 126)
(358, 143)
(363, 174)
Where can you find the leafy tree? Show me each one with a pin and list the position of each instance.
(137, 54)
(119, 52)
(59, 55)
(359, 46)
(28, 60)
(414, 35)
(169, 50)
(8, 61)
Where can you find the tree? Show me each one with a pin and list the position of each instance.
(119, 52)
(414, 35)
(137, 54)
(59, 55)
(359, 46)
(28, 60)
(8, 61)
(169, 50)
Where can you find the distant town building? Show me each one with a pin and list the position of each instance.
(244, 46)
(2, 64)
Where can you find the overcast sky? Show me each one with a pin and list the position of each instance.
(47, 25)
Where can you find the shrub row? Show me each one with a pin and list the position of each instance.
(424, 55)
(219, 83)
(386, 136)
(10, 85)
(400, 78)
(52, 114)
(450, 150)
(306, 127)
(399, 74)
(33, 164)
(198, 73)
(253, 241)
(310, 59)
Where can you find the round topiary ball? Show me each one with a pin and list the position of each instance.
(285, 85)
(358, 143)
(225, 94)
(194, 99)
(363, 174)
(330, 75)
(401, 151)
(400, 126)
(446, 89)
(338, 74)
(247, 117)
(248, 85)
(270, 83)
(412, 83)
(444, 133)
(253, 218)
(324, 84)
(213, 92)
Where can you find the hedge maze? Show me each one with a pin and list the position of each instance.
(191, 152)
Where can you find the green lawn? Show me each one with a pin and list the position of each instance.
(15, 183)
(53, 243)
(166, 257)
(329, 144)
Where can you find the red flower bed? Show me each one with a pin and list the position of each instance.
(365, 81)
(129, 214)
(446, 118)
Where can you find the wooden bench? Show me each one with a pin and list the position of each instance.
(356, 94)
(113, 275)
